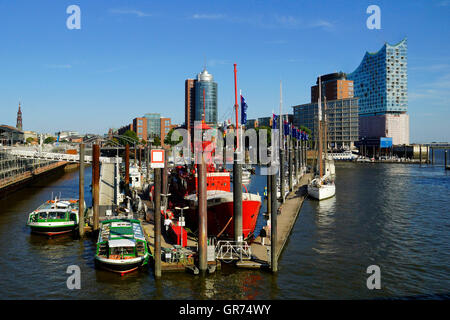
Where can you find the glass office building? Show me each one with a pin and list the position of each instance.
(206, 84)
(342, 121)
(381, 83)
(153, 124)
(381, 80)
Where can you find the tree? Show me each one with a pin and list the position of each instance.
(168, 139)
(30, 140)
(49, 140)
(129, 135)
(157, 141)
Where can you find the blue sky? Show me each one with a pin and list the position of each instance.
(132, 57)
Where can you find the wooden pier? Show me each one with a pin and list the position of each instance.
(187, 265)
(286, 219)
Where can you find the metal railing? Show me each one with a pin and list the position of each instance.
(52, 156)
(232, 250)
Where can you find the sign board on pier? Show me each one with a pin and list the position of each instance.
(157, 158)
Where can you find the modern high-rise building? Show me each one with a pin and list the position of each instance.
(207, 88)
(334, 86)
(381, 84)
(189, 103)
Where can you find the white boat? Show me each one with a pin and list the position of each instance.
(322, 188)
(346, 155)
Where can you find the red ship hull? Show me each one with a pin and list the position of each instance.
(220, 222)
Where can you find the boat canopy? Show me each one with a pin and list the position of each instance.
(121, 243)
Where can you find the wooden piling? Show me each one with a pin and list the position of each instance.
(291, 180)
(202, 216)
(96, 185)
(157, 219)
(81, 193)
(420, 153)
(282, 174)
(273, 224)
(269, 192)
(445, 160)
(432, 156)
(127, 164)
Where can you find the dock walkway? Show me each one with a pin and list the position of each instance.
(289, 212)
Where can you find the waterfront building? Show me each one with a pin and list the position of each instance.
(189, 103)
(153, 124)
(205, 84)
(334, 86)
(381, 83)
(19, 119)
(10, 135)
(251, 123)
(140, 127)
(342, 121)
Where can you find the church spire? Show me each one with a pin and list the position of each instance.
(19, 119)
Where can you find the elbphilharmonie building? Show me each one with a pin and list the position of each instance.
(381, 83)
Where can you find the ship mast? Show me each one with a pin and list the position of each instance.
(236, 106)
(319, 153)
(281, 123)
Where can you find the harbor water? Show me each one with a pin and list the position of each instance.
(395, 216)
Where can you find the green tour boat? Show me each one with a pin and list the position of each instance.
(55, 217)
(121, 246)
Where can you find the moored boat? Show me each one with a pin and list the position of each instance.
(322, 188)
(121, 246)
(55, 217)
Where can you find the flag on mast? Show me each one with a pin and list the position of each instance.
(243, 111)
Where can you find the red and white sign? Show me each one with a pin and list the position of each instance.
(157, 158)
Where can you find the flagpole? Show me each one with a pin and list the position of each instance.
(236, 106)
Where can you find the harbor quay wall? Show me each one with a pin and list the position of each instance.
(11, 183)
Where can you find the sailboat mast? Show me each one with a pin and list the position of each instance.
(319, 105)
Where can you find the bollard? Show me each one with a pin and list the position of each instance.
(202, 216)
(157, 220)
(237, 198)
(81, 193)
(95, 184)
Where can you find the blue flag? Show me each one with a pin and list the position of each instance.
(286, 128)
(274, 121)
(243, 111)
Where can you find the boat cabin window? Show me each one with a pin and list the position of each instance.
(122, 251)
(61, 215)
(42, 215)
(52, 215)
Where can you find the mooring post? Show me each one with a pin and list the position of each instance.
(95, 183)
(237, 198)
(269, 192)
(147, 171)
(202, 215)
(432, 156)
(81, 193)
(291, 180)
(164, 175)
(127, 164)
(282, 174)
(273, 224)
(420, 153)
(445, 160)
(157, 219)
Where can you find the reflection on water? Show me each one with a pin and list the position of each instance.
(391, 215)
